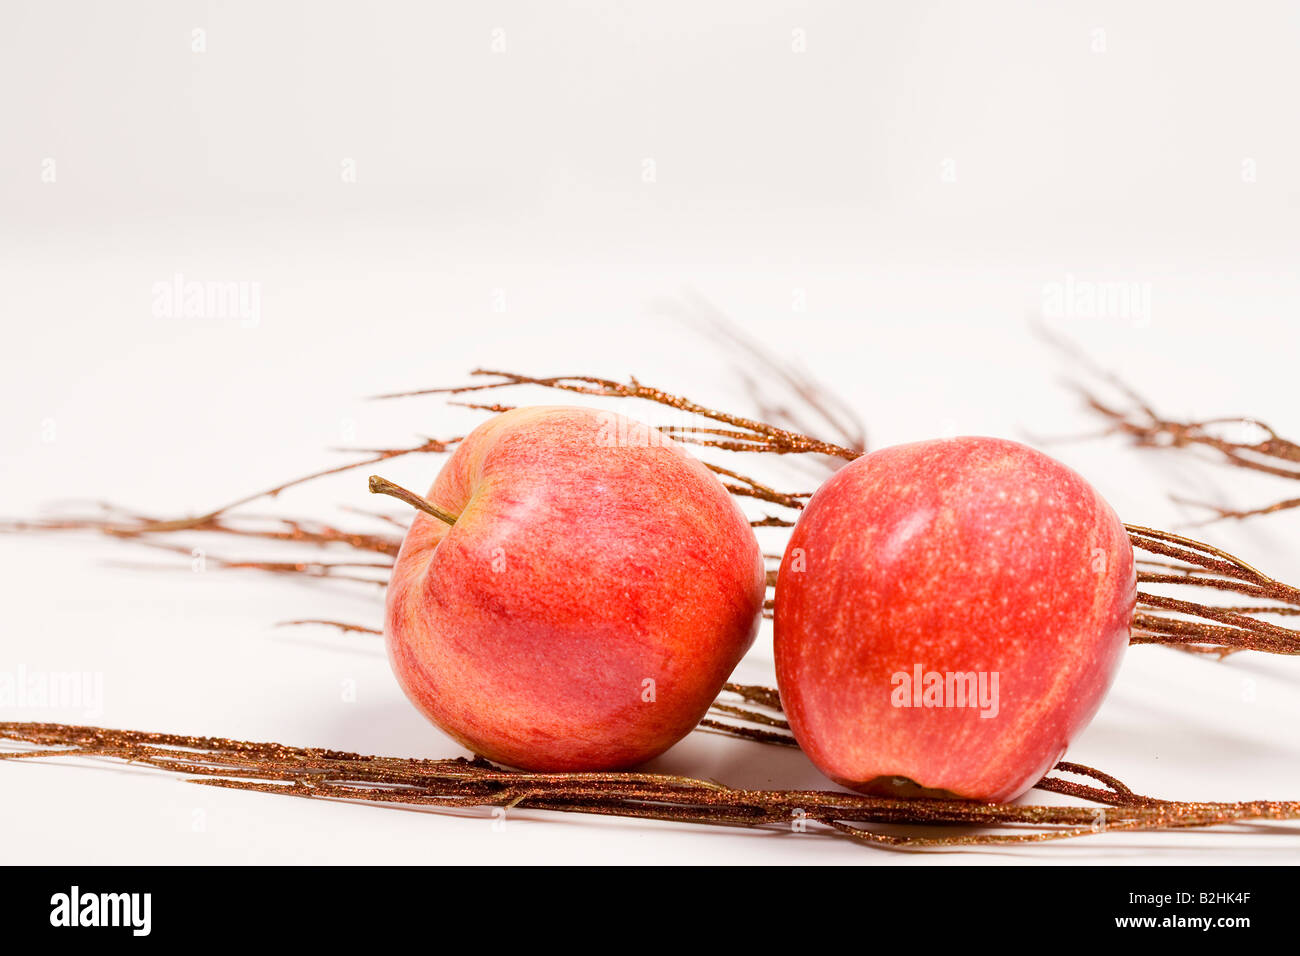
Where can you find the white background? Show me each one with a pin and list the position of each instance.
(917, 179)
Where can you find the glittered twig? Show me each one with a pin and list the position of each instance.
(464, 783)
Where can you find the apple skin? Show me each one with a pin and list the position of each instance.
(591, 554)
(959, 555)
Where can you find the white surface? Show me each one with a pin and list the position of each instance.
(515, 179)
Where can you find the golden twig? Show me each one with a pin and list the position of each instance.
(464, 783)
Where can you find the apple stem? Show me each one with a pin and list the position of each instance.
(382, 486)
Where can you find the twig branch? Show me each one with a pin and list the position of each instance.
(463, 783)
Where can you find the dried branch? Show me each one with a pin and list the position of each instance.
(753, 434)
(121, 523)
(342, 626)
(1270, 453)
(764, 367)
(463, 783)
(749, 488)
(1192, 623)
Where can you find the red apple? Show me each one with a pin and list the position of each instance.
(949, 614)
(596, 590)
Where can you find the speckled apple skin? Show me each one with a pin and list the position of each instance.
(589, 558)
(961, 555)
